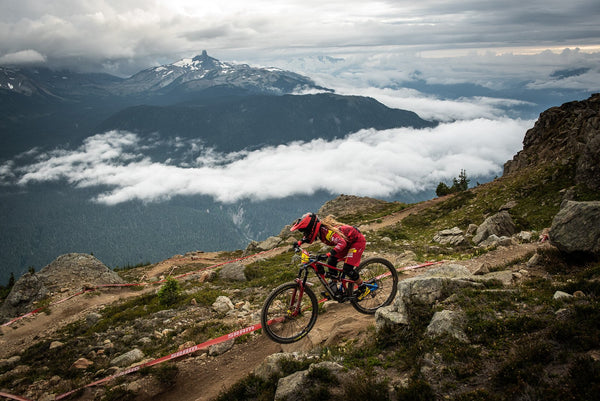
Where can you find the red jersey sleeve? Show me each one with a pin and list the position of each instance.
(333, 239)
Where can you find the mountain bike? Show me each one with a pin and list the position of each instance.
(291, 309)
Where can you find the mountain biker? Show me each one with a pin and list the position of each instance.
(347, 241)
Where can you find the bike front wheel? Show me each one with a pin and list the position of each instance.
(381, 277)
(288, 314)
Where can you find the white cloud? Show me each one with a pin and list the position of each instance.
(369, 163)
(22, 57)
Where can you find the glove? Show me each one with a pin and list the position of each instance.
(331, 260)
(297, 246)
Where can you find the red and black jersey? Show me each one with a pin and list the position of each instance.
(340, 244)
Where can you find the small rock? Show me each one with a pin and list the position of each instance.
(534, 260)
(563, 314)
(221, 348)
(472, 229)
(82, 363)
(507, 206)
(56, 344)
(128, 358)
(185, 345)
(223, 304)
(483, 268)
(524, 236)
(562, 295)
(92, 318)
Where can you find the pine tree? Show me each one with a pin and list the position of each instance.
(458, 185)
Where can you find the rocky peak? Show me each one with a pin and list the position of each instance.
(205, 58)
(70, 272)
(566, 134)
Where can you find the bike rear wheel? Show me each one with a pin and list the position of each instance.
(287, 318)
(382, 278)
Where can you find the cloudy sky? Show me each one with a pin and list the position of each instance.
(123, 36)
(354, 46)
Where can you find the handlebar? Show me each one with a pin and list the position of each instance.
(307, 256)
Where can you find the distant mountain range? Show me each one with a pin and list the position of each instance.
(228, 107)
(231, 106)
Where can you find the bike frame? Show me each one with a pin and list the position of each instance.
(310, 261)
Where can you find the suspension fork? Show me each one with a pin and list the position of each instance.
(297, 294)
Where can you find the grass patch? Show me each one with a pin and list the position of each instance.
(271, 272)
(374, 214)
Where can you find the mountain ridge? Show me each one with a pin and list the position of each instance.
(188, 75)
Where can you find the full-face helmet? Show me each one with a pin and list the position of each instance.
(308, 225)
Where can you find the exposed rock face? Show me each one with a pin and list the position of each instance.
(67, 272)
(576, 228)
(569, 133)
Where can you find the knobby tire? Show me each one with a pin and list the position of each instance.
(277, 319)
(382, 272)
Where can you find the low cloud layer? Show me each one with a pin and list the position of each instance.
(367, 163)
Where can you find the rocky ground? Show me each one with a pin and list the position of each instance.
(203, 377)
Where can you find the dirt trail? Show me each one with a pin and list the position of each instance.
(397, 217)
(200, 379)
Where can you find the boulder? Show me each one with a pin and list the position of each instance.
(221, 348)
(293, 387)
(448, 322)
(576, 228)
(452, 237)
(223, 304)
(432, 286)
(500, 224)
(494, 241)
(272, 365)
(72, 271)
(233, 272)
(128, 358)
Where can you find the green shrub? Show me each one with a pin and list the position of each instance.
(169, 293)
(417, 390)
(365, 387)
(250, 388)
(118, 394)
